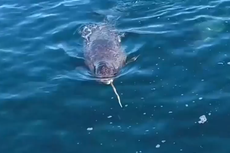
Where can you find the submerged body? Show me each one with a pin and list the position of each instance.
(103, 53)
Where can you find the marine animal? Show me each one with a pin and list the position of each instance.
(103, 53)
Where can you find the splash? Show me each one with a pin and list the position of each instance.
(103, 30)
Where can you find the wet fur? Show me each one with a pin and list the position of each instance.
(102, 44)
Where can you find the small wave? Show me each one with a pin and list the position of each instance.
(181, 74)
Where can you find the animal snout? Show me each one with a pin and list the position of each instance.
(106, 81)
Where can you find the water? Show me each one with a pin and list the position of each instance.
(49, 106)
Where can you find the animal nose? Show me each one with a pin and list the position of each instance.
(106, 81)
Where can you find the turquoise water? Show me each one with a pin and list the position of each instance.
(49, 106)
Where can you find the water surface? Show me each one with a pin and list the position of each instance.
(47, 105)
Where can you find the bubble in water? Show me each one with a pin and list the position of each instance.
(158, 146)
(89, 129)
(202, 120)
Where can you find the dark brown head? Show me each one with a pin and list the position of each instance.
(105, 72)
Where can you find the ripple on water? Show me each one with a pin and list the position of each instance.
(182, 74)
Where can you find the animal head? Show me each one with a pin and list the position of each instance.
(105, 72)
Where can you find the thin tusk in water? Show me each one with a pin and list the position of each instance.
(118, 97)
